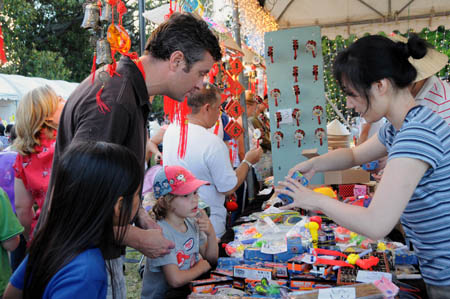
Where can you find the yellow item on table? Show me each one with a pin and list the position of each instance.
(325, 191)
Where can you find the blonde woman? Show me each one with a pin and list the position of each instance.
(37, 119)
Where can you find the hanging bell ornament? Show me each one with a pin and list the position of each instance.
(106, 13)
(103, 52)
(91, 16)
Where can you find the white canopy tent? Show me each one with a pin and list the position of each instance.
(345, 17)
(13, 87)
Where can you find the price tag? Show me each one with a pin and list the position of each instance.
(286, 116)
(337, 293)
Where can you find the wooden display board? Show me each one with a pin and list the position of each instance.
(294, 65)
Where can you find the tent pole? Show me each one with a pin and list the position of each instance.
(237, 33)
(142, 38)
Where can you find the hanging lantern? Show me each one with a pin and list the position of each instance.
(103, 52)
(91, 16)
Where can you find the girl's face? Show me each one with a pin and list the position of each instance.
(360, 104)
(185, 205)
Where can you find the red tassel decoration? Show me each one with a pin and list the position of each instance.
(182, 117)
(100, 104)
(94, 66)
(2, 49)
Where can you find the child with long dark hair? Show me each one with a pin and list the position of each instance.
(181, 221)
(96, 188)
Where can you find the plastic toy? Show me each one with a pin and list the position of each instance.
(296, 176)
(266, 289)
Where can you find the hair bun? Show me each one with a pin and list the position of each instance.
(403, 48)
(417, 47)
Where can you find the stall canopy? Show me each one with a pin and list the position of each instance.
(13, 87)
(345, 17)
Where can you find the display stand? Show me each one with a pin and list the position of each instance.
(296, 97)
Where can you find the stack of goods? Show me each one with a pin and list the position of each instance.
(284, 253)
(338, 135)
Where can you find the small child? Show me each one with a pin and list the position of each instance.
(181, 221)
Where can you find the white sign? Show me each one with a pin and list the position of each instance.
(286, 116)
(371, 276)
(337, 293)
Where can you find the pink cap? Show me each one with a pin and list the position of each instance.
(176, 180)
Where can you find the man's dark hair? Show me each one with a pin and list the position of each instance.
(186, 33)
(209, 94)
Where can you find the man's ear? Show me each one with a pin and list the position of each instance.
(176, 60)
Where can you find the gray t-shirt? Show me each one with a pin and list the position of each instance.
(185, 255)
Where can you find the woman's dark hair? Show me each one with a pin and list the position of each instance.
(376, 57)
(89, 179)
(186, 33)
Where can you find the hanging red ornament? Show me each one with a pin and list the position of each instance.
(2, 49)
(320, 134)
(299, 135)
(270, 53)
(296, 92)
(317, 111)
(296, 115)
(295, 48)
(275, 93)
(279, 118)
(315, 72)
(311, 46)
(295, 73)
(278, 136)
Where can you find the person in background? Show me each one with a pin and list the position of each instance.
(37, 119)
(182, 222)
(376, 75)
(4, 140)
(10, 229)
(95, 196)
(207, 156)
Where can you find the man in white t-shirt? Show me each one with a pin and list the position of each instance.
(207, 156)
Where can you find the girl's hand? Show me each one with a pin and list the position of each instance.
(204, 224)
(303, 197)
(306, 168)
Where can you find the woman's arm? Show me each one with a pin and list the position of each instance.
(152, 144)
(400, 179)
(343, 158)
(24, 206)
(177, 278)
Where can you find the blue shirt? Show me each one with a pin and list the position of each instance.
(84, 277)
(426, 219)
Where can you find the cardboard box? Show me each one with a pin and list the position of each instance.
(349, 176)
(252, 272)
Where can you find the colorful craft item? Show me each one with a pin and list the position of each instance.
(279, 118)
(278, 136)
(234, 129)
(233, 109)
(257, 136)
(311, 47)
(320, 134)
(236, 66)
(315, 72)
(296, 92)
(270, 53)
(275, 93)
(295, 48)
(313, 228)
(295, 73)
(317, 111)
(299, 135)
(296, 115)
(118, 38)
(213, 73)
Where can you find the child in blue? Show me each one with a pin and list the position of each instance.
(96, 195)
(190, 229)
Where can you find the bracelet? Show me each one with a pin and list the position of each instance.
(248, 163)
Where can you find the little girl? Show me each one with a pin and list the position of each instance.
(181, 221)
(94, 198)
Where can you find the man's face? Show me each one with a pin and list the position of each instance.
(185, 83)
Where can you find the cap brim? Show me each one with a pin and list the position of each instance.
(189, 187)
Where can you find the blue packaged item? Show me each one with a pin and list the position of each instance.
(294, 248)
(227, 263)
(296, 176)
(370, 166)
(255, 255)
(405, 257)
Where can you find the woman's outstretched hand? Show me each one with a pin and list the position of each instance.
(303, 197)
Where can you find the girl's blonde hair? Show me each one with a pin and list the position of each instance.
(34, 108)
(162, 206)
